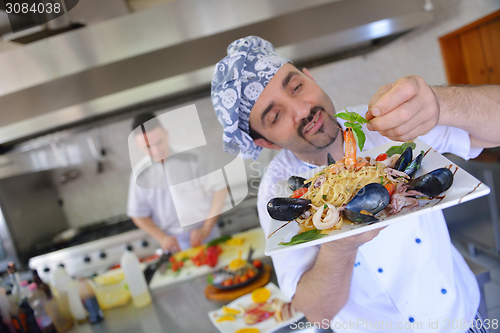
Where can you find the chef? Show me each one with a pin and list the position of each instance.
(151, 204)
(406, 277)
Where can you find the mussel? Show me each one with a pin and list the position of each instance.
(370, 200)
(287, 209)
(433, 183)
(330, 159)
(296, 182)
(412, 168)
(404, 160)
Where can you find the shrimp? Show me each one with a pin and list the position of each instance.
(351, 162)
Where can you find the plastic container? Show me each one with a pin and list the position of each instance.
(75, 303)
(59, 313)
(87, 295)
(111, 289)
(37, 300)
(135, 279)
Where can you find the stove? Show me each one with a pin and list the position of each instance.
(93, 249)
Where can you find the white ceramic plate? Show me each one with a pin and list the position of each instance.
(465, 187)
(266, 326)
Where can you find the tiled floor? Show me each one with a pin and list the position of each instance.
(491, 289)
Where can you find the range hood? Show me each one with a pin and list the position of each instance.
(169, 50)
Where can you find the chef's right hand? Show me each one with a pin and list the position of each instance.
(169, 243)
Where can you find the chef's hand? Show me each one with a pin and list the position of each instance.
(197, 236)
(404, 109)
(169, 243)
(352, 243)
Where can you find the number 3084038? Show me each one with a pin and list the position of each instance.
(24, 8)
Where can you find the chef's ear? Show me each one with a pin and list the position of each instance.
(266, 144)
(306, 72)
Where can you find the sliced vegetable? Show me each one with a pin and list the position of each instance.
(248, 330)
(391, 188)
(231, 311)
(306, 236)
(261, 295)
(219, 240)
(298, 193)
(225, 318)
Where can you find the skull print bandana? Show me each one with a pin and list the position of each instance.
(237, 83)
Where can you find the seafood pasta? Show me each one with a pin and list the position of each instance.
(335, 186)
(356, 189)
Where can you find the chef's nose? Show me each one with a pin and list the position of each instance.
(301, 110)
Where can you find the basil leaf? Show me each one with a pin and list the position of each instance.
(306, 236)
(359, 119)
(347, 124)
(360, 137)
(344, 115)
(400, 149)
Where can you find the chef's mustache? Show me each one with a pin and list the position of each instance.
(309, 118)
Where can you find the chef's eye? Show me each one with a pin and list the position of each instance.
(297, 88)
(276, 117)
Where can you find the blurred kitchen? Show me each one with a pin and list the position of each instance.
(70, 88)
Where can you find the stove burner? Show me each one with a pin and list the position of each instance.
(92, 232)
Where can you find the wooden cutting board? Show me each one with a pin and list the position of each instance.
(253, 237)
(229, 295)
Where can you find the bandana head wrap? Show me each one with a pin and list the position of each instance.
(237, 83)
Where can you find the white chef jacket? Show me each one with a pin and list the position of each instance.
(406, 278)
(151, 195)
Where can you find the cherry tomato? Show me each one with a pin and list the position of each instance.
(381, 157)
(257, 263)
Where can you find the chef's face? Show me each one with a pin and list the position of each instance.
(294, 113)
(155, 143)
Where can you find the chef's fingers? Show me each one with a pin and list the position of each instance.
(408, 116)
(403, 90)
(375, 98)
(414, 132)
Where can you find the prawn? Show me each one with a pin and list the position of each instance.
(350, 160)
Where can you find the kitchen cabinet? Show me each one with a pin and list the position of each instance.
(472, 54)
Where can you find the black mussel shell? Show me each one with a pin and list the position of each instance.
(433, 183)
(330, 159)
(372, 198)
(296, 182)
(411, 169)
(404, 160)
(287, 209)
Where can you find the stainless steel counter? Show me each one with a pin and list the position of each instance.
(177, 308)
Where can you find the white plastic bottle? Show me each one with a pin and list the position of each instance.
(75, 303)
(135, 279)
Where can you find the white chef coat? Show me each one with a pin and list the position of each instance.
(406, 278)
(150, 195)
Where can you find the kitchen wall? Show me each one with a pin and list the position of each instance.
(93, 196)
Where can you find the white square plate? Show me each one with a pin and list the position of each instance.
(266, 326)
(465, 187)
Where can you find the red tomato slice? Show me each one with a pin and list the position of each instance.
(381, 157)
(298, 193)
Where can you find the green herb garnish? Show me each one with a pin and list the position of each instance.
(306, 236)
(324, 197)
(210, 279)
(354, 121)
(325, 206)
(400, 149)
(382, 180)
(219, 240)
